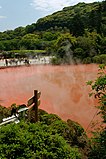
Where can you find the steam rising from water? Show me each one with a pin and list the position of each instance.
(63, 89)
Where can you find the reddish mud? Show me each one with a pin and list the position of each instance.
(63, 89)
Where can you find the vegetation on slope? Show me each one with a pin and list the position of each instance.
(51, 138)
(83, 23)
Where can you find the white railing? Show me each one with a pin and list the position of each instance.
(13, 118)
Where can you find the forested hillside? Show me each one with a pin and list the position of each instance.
(77, 32)
(77, 18)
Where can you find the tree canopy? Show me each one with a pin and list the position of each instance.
(82, 26)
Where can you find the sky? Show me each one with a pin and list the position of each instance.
(16, 13)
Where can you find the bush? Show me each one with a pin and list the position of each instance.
(56, 61)
(4, 112)
(100, 59)
(34, 141)
(87, 60)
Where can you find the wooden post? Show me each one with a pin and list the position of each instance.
(36, 105)
(36, 102)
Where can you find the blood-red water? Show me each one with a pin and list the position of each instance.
(63, 89)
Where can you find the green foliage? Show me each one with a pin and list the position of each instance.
(79, 52)
(98, 141)
(56, 61)
(29, 41)
(79, 136)
(76, 18)
(34, 141)
(100, 59)
(89, 43)
(4, 112)
(76, 32)
(71, 131)
(49, 36)
(65, 39)
(49, 118)
(98, 150)
(61, 52)
(49, 138)
(87, 60)
(99, 90)
(77, 24)
(63, 49)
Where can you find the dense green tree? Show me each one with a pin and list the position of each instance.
(9, 33)
(10, 44)
(29, 41)
(90, 43)
(49, 36)
(2, 47)
(103, 45)
(30, 28)
(77, 25)
(95, 18)
(20, 31)
(65, 39)
(63, 48)
(4, 36)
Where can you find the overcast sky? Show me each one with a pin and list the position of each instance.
(15, 13)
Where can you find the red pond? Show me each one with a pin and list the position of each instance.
(63, 89)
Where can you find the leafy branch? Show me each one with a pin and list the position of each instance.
(99, 90)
